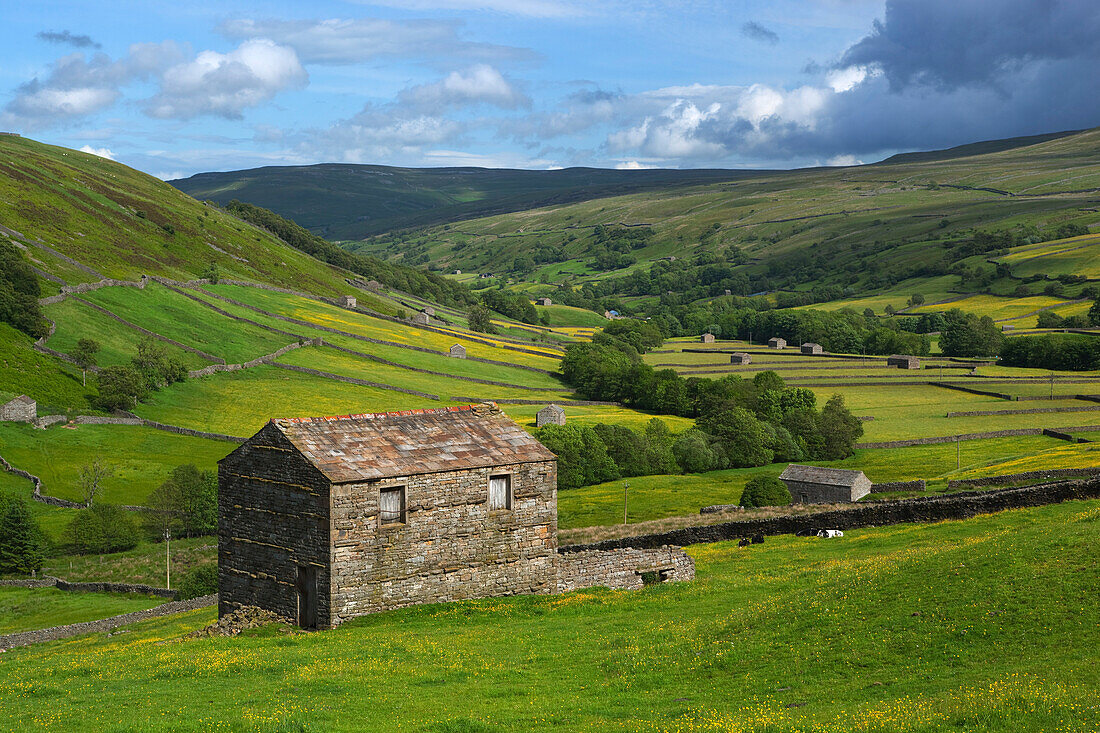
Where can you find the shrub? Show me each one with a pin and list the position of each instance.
(201, 580)
(22, 545)
(763, 490)
(101, 529)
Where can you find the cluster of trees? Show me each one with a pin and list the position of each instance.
(513, 305)
(966, 334)
(124, 385)
(411, 280)
(22, 544)
(19, 293)
(1070, 352)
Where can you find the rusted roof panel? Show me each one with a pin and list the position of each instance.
(378, 445)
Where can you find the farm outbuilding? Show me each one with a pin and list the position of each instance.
(550, 415)
(324, 519)
(421, 318)
(816, 485)
(545, 301)
(777, 343)
(458, 351)
(812, 348)
(20, 409)
(347, 301)
(707, 338)
(428, 311)
(902, 361)
(740, 358)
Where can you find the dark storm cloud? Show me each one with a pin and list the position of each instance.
(951, 43)
(67, 38)
(757, 32)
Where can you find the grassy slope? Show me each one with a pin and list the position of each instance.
(787, 214)
(87, 208)
(980, 625)
(53, 384)
(26, 609)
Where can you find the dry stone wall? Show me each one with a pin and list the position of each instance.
(918, 485)
(621, 568)
(1013, 478)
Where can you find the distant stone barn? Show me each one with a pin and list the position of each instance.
(816, 485)
(740, 358)
(20, 409)
(347, 301)
(421, 318)
(707, 338)
(545, 301)
(550, 415)
(428, 311)
(812, 348)
(324, 519)
(458, 351)
(902, 361)
(777, 343)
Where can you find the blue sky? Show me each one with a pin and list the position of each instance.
(184, 87)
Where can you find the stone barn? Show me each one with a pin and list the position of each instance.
(813, 349)
(324, 519)
(458, 351)
(347, 301)
(815, 485)
(903, 362)
(21, 409)
(550, 415)
(428, 311)
(777, 343)
(545, 301)
(421, 318)
(707, 338)
(740, 358)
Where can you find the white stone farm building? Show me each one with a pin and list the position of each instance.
(816, 485)
(777, 343)
(324, 519)
(550, 415)
(812, 349)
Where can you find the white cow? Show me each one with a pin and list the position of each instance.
(829, 533)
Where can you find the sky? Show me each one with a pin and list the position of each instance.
(177, 88)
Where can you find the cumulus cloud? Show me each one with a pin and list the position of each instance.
(77, 85)
(380, 133)
(67, 38)
(757, 32)
(348, 41)
(479, 84)
(226, 84)
(531, 8)
(101, 152)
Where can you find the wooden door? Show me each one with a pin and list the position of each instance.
(307, 596)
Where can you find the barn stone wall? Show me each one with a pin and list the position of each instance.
(621, 568)
(805, 492)
(450, 546)
(19, 411)
(273, 515)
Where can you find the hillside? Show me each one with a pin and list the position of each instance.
(857, 230)
(80, 218)
(346, 201)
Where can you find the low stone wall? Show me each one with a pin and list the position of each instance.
(153, 334)
(719, 508)
(865, 514)
(510, 401)
(918, 485)
(951, 438)
(1012, 478)
(107, 624)
(61, 584)
(81, 288)
(265, 359)
(620, 568)
(37, 494)
(101, 420)
(1031, 411)
(194, 433)
(44, 421)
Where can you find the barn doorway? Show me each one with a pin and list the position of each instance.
(307, 596)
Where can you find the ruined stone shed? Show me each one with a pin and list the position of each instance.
(324, 519)
(817, 485)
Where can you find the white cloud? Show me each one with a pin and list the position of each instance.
(348, 41)
(531, 8)
(841, 80)
(480, 84)
(101, 152)
(840, 160)
(633, 165)
(226, 84)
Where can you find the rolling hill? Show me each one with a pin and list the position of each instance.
(347, 201)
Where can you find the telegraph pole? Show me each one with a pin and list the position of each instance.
(626, 493)
(167, 559)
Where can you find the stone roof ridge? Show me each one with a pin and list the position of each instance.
(821, 474)
(22, 399)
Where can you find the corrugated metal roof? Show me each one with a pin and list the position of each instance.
(819, 475)
(410, 442)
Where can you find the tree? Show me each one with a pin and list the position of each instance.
(658, 448)
(1094, 313)
(22, 545)
(84, 355)
(211, 273)
(155, 366)
(740, 434)
(764, 490)
(840, 429)
(120, 387)
(90, 479)
(101, 529)
(916, 299)
(185, 504)
(479, 319)
(582, 457)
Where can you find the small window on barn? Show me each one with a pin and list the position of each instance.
(500, 492)
(391, 506)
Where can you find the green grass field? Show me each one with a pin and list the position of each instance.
(54, 384)
(140, 457)
(144, 564)
(980, 625)
(27, 609)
